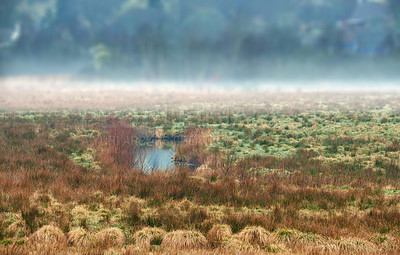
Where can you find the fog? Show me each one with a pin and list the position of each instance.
(203, 44)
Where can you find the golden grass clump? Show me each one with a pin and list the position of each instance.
(354, 245)
(147, 237)
(17, 247)
(295, 238)
(48, 234)
(110, 237)
(185, 205)
(80, 238)
(46, 203)
(387, 243)
(80, 216)
(17, 226)
(234, 245)
(204, 171)
(218, 233)
(184, 239)
(46, 240)
(132, 250)
(256, 236)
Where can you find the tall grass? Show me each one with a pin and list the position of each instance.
(299, 203)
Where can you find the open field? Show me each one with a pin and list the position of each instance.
(279, 172)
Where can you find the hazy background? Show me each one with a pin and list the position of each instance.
(202, 40)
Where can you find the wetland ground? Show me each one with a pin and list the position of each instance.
(279, 172)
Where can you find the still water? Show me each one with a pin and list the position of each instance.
(156, 156)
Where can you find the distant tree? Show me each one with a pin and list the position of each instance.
(394, 6)
(155, 4)
(86, 18)
(8, 14)
(67, 15)
(98, 14)
(327, 11)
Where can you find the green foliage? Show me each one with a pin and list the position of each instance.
(6, 242)
(395, 9)
(102, 57)
(85, 158)
(159, 38)
(8, 13)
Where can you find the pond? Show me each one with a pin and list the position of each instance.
(157, 155)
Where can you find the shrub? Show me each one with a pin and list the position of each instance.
(122, 141)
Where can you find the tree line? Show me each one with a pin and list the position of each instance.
(152, 34)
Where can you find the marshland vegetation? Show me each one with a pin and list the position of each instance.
(307, 175)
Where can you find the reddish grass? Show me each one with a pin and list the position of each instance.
(34, 157)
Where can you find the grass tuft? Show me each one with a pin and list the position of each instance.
(147, 237)
(78, 237)
(47, 239)
(218, 233)
(256, 236)
(184, 239)
(110, 237)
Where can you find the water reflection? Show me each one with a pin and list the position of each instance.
(157, 155)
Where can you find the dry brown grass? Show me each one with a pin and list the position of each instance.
(218, 233)
(109, 237)
(207, 252)
(315, 207)
(17, 248)
(236, 246)
(132, 250)
(204, 171)
(295, 238)
(184, 239)
(353, 246)
(47, 240)
(80, 238)
(256, 236)
(17, 228)
(147, 237)
(80, 216)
